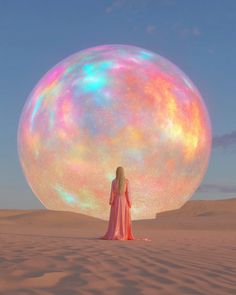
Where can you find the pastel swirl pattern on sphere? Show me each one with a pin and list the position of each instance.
(109, 106)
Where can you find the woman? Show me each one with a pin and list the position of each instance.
(119, 227)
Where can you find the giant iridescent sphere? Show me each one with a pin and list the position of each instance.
(110, 106)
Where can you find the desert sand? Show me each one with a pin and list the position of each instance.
(192, 251)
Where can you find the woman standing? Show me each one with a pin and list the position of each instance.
(119, 227)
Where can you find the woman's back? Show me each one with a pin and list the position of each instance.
(119, 226)
(115, 187)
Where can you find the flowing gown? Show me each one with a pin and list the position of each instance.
(119, 226)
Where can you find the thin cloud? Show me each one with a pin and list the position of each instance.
(114, 5)
(217, 188)
(196, 31)
(131, 7)
(225, 141)
(211, 51)
(187, 32)
(150, 29)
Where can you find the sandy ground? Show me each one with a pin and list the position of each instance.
(193, 251)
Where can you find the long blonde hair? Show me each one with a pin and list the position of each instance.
(120, 178)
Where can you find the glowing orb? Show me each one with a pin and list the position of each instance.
(109, 106)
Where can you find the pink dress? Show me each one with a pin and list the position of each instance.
(119, 226)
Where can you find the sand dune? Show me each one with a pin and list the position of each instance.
(48, 217)
(48, 222)
(204, 208)
(193, 251)
(198, 215)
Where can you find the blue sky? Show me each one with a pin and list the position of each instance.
(198, 36)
